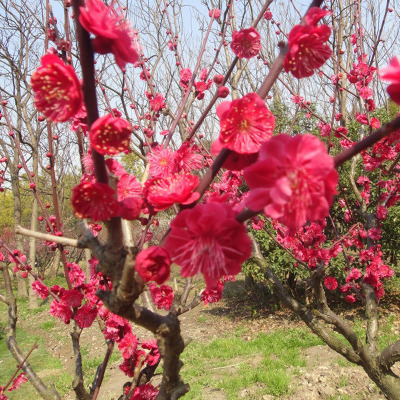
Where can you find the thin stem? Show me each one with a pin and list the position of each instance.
(86, 58)
(19, 366)
(188, 90)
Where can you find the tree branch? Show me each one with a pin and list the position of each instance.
(390, 355)
(19, 230)
(78, 383)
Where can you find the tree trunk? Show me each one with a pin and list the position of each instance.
(33, 303)
(388, 383)
(22, 290)
(55, 264)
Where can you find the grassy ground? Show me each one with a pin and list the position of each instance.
(233, 363)
(50, 368)
(234, 354)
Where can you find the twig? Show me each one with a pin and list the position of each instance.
(135, 380)
(231, 365)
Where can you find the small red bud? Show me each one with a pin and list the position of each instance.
(218, 79)
(223, 92)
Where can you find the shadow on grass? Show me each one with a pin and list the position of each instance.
(249, 302)
(240, 302)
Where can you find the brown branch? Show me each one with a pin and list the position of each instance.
(111, 259)
(371, 312)
(86, 58)
(130, 285)
(370, 140)
(136, 374)
(78, 383)
(169, 340)
(390, 355)
(98, 380)
(3, 298)
(186, 290)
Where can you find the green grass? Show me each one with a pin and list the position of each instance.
(47, 325)
(232, 364)
(343, 362)
(344, 381)
(89, 365)
(49, 368)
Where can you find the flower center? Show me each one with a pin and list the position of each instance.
(209, 256)
(244, 125)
